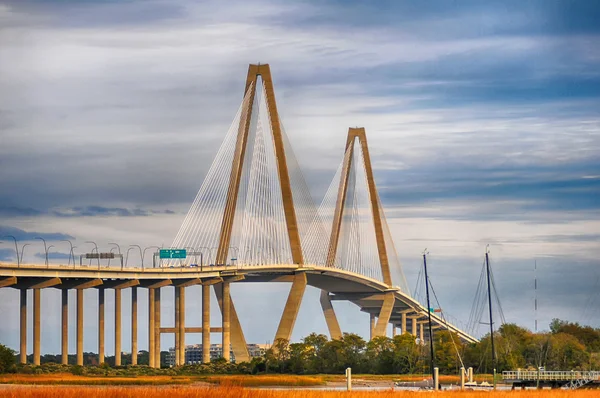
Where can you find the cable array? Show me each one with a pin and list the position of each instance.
(357, 249)
(259, 233)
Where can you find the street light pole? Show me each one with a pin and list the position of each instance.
(119, 248)
(144, 253)
(45, 249)
(48, 251)
(71, 254)
(16, 248)
(201, 256)
(97, 252)
(23, 250)
(141, 254)
(127, 257)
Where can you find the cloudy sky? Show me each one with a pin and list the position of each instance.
(483, 121)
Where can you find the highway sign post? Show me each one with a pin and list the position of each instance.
(172, 253)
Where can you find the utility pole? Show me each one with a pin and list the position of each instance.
(432, 365)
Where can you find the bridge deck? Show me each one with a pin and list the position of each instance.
(342, 285)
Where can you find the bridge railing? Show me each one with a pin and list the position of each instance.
(533, 375)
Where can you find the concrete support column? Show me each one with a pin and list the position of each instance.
(64, 327)
(393, 330)
(226, 312)
(36, 325)
(335, 331)
(383, 319)
(403, 324)
(151, 325)
(23, 331)
(134, 326)
(422, 333)
(118, 327)
(414, 327)
(292, 307)
(372, 329)
(205, 324)
(157, 328)
(101, 325)
(80, 327)
(177, 328)
(181, 325)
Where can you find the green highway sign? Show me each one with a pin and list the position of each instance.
(172, 253)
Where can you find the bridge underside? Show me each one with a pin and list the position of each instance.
(386, 306)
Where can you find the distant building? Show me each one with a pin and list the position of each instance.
(193, 353)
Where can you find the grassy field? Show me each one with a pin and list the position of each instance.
(69, 379)
(266, 380)
(239, 392)
(223, 380)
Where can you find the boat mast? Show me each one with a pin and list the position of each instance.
(487, 266)
(429, 315)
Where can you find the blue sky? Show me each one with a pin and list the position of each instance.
(483, 123)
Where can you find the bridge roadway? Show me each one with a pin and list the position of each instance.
(335, 284)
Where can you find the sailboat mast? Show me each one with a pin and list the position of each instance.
(487, 266)
(428, 314)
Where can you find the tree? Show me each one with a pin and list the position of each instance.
(407, 353)
(566, 353)
(7, 359)
(380, 355)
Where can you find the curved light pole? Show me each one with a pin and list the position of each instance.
(110, 251)
(141, 255)
(210, 252)
(201, 256)
(118, 247)
(71, 253)
(144, 253)
(23, 249)
(127, 256)
(48, 251)
(93, 250)
(16, 248)
(97, 252)
(45, 249)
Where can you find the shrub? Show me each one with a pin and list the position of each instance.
(7, 360)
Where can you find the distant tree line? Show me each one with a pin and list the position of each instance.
(567, 346)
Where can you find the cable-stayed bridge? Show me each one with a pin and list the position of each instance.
(253, 220)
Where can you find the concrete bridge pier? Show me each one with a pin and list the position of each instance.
(226, 324)
(23, 324)
(177, 314)
(134, 331)
(64, 326)
(100, 325)
(403, 324)
(335, 332)
(157, 328)
(181, 325)
(36, 325)
(79, 327)
(151, 325)
(205, 323)
(372, 326)
(118, 327)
